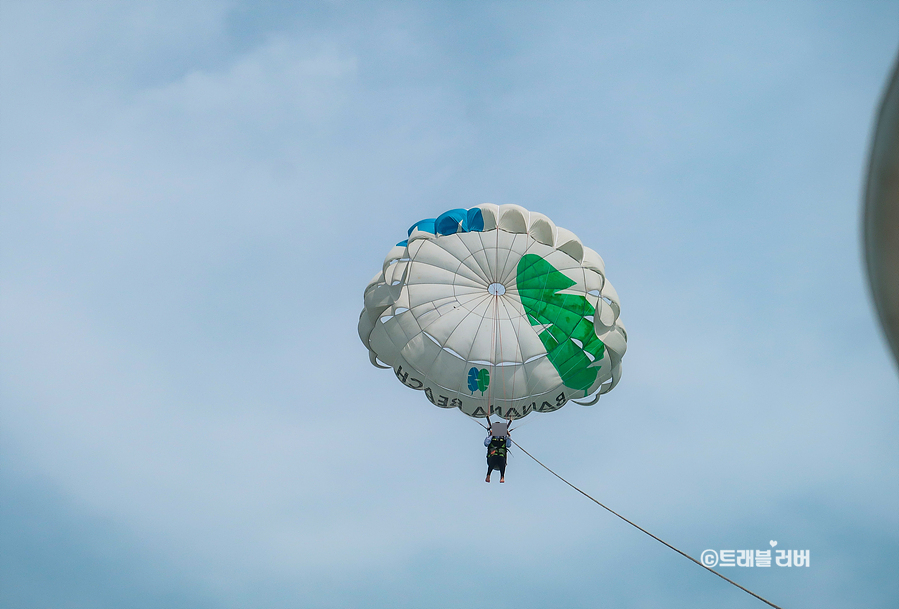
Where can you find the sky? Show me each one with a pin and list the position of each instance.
(194, 195)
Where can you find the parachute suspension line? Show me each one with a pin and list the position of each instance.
(662, 541)
(498, 356)
(490, 391)
(499, 331)
(516, 329)
(519, 353)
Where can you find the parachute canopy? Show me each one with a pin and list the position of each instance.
(495, 310)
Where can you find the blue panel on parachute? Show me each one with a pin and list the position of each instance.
(425, 225)
(475, 220)
(449, 223)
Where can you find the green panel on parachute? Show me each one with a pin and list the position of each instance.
(564, 318)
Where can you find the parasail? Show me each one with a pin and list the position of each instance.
(495, 310)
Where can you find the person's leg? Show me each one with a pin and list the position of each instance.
(489, 469)
(502, 471)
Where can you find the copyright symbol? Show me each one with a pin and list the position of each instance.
(709, 558)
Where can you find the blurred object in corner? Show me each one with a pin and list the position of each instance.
(881, 220)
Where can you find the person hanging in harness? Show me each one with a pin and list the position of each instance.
(497, 443)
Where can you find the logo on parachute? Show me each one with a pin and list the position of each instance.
(568, 336)
(478, 380)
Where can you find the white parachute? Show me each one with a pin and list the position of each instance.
(495, 311)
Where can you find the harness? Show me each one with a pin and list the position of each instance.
(497, 448)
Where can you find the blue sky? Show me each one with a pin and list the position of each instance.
(194, 195)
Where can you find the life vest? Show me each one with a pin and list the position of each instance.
(497, 448)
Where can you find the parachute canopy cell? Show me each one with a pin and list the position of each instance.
(495, 310)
